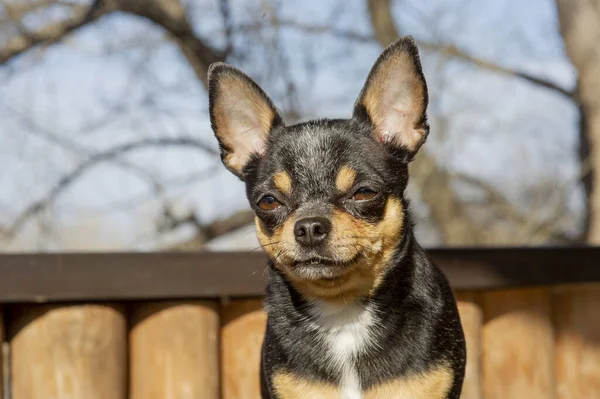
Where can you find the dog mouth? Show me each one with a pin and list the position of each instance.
(319, 268)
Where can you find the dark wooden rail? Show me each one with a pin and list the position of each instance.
(156, 325)
(128, 276)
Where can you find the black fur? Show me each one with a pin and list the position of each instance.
(312, 154)
(417, 323)
(418, 319)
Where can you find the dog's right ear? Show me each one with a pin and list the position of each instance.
(241, 115)
(394, 98)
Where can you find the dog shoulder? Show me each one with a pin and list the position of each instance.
(290, 385)
(435, 383)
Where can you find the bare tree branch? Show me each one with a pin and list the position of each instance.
(49, 34)
(17, 10)
(171, 16)
(453, 51)
(68, 179)
(225, 9)
(382, 21)
(432, 180)
(386, 32)
(534, 227)
(168, 14)
(210, 231)
(76, 148)
(447, 209)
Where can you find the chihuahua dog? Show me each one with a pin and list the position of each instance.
(355, 307)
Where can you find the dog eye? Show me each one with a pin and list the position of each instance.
(268, 203)
(363, 194)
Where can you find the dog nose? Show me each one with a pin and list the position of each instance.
(311, 232)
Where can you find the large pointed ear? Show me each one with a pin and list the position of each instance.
(394, 98)
(241, 115)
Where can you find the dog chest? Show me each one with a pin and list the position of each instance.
(345, 332)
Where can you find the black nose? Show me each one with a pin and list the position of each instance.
(311, 232)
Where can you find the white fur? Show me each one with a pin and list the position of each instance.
(346, 331)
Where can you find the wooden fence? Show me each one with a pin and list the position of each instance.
(190, 326)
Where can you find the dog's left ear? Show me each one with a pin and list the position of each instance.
(394, 98)
(241, 115)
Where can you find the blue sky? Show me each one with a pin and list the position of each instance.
(499, 129)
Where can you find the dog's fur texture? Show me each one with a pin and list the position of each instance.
(355, 307)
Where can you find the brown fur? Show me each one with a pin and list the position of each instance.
(345, 178)
(289, 386)
(349, 237)
(283, 182)
(434, 384)
(394, 99)
(233, 126)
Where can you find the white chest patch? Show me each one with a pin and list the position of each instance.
(346, 331)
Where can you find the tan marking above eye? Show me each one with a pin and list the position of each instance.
(345, 178)
(283, 182)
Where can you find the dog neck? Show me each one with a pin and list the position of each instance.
(396, 284)
(344, 331)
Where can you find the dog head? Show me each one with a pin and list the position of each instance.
(328, 194)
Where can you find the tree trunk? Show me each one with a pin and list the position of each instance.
(580, 28)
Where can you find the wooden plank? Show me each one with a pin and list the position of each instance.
(577, 321)
(471, 269)
(174, 350)
(471, 316)
(128, 276)
(517, 343)
(242, 335)
(68, 352)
